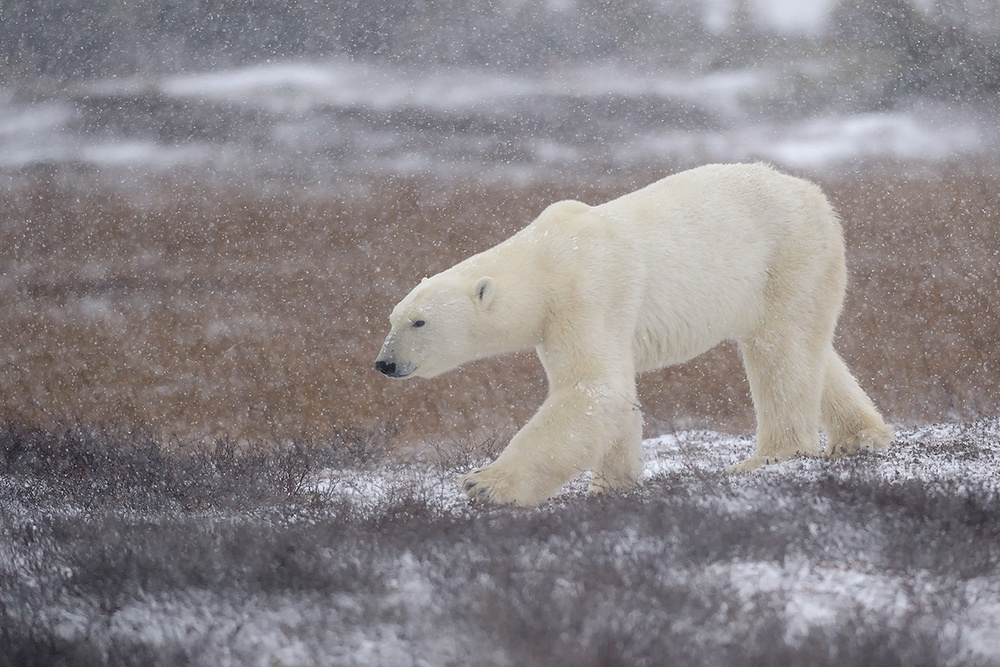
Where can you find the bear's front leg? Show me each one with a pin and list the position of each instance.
(571, 433)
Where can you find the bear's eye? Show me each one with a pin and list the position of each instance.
(418, 323)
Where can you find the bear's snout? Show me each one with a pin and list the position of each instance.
(393, 369)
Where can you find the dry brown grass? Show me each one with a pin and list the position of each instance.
(208, 311)
(921, 323)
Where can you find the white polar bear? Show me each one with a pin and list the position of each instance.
(650, 279)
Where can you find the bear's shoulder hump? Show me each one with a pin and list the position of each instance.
(565, 208)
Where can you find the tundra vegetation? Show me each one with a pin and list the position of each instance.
(208, 209)
(200, 465)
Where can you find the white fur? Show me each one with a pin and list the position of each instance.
(650, 279)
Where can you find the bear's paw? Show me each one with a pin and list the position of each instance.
(868, 440)
(491, 484)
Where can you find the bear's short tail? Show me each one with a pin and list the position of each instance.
(849, 418)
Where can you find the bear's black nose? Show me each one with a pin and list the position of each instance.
(387, 367)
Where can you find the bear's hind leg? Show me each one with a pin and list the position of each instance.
(850, 419)
(619, 469)
(784, 373)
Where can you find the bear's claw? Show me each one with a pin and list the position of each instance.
(476, 492)
(490, 485)
(474, 488)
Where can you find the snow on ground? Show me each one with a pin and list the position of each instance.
(451, 582)
(697, 454)
(294, 119)
(295, 88)
(817, 143)
(816, 594)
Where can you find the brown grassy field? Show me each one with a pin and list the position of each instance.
(208, 311)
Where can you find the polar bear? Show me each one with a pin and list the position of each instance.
(650, 279)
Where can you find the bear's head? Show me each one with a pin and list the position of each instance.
(438, 326)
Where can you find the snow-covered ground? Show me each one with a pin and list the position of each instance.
(856, 561)
(814, 594)
(693, 455)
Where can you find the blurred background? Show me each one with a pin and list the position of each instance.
(208, 208)
(310, 91)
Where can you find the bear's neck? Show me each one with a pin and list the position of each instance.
(524, 300)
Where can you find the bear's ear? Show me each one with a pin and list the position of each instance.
(483, 291)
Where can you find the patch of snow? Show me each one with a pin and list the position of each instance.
(793, 16)
(300, 628)
(369, 490)
(829, 140)
(697, 454)
(141, 152)
(981, 625)
(20, 122)
(361, 116)
(814, 144)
